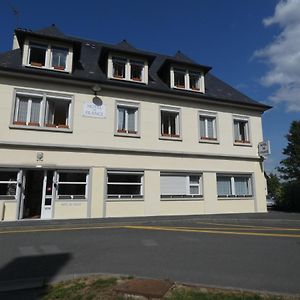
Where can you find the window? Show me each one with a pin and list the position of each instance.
(127, 119)
(124, 184)
(186, 79)
(208, 127)
(57, 113)
(47, 56)
(127, 69)
(37, 55)
(234, 185)
(42, 110)
(180, 186)
(59, 58)
(241, 131)
(72, 185)
(8, 185)
(170, 123)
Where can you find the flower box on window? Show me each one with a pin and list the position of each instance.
(119, 76)
(36, 64)
(50, 125)
(122, 130)
(208, 138)
(33, 124)
(242, 141)
(136, 79)
(19, 123)
(62, 126)
(180, 86)
(61, 68)
(132, 132)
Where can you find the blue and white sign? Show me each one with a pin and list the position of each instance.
(92, 110)
(264, 148)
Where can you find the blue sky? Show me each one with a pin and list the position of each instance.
(236, 38)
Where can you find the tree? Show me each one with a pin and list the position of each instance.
(274, 185)
(290, 170)
(290, 166)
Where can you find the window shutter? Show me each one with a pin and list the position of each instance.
(202, 127)
(173, 185)
(236, 131)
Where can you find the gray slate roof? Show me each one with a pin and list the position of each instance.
(90, 65)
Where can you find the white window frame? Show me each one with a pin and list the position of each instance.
(232, 185)
(48, 58)
(127, 196)
(72, 197)
(187, 73)
(188, 185)
(129, 105)
(45, 96)
(247, 141)
(207, 139)
(128, 62)
(168, 136)
(16, 182)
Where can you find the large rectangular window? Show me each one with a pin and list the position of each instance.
(180, 185)
(234, 185)
(170, 122)
(124, 184)
(48, 56)
(8, 185)
(125, 68)
(127, 118)
(42, 110)
(72, 185)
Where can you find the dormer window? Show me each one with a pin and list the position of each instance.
(127, 69)
(187, 80)
(47, 56)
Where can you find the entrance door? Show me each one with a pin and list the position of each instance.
(32, 194)
(48, 190)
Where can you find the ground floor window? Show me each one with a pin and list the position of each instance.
(180, 185)
(8, 185)
(124, 184)
(72, 185)
(234, 185)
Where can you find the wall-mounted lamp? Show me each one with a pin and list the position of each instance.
(96, 89)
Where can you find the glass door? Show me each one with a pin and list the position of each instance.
(48, 194)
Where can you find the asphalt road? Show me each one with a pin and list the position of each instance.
(256, 252)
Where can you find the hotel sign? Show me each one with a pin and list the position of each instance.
(91, 110)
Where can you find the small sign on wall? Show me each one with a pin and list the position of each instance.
(92, 110)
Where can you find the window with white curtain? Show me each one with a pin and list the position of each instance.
(170, 122)
(241, 131)
(127, 118)
(208, 127)
(8, 185)
(176, 185)
(234, 185)
(40, 109)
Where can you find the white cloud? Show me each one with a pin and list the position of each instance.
(283, 55)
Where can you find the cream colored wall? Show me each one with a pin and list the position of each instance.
(96, 132)
(9, 210)
(125, 208)
(185, 207)
(235, 206)
(70, 209)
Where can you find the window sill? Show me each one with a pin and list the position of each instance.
(48, 69)
(184, 199)
(125, 134)
(230, 197)
(209, 141)
(39, 128)
(189, 90)
(170, 138)
(128, 80)
(245, 144)
(124, 199)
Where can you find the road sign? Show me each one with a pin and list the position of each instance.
(264, 148)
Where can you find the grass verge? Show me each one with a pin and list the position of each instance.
(96, 287)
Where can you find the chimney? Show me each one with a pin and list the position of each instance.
(15, 43)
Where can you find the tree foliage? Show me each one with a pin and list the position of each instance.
(290, 166)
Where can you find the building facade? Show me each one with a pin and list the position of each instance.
(93, 130)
